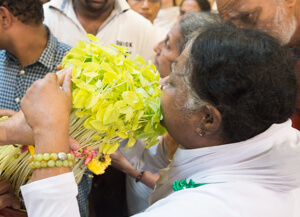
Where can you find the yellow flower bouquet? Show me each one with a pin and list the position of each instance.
(115, 98)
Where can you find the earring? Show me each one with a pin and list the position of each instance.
(202, 133)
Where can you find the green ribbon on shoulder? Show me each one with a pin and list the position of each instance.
(177, 185)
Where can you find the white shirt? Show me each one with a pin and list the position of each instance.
(257, 177)
(142, 159)
(165, 20)
(123, 27)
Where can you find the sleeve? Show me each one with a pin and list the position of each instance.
(55, 196)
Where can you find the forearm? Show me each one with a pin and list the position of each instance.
(51, 142)
(15, 130)
(149, 179)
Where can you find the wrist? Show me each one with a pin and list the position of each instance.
(56, 140)
(139, 177)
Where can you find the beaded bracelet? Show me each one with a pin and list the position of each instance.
(138, 178)
(51, 160)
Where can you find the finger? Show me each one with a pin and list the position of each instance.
(74, 145)
(51, 76)
(7, 112)
(67, 85)
(5, 187)
(58, 67)
(62, 73)
(9, 200)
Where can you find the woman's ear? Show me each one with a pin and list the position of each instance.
(208, 120)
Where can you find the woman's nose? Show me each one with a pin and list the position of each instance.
(157, 48)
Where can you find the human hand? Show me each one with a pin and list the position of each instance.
(119, 162)
(46, 106)
(7, 197)
(6, 112)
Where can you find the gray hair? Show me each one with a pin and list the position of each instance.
(190, 22)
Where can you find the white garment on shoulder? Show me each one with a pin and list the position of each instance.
(257, 177)
(124, 27)
(52, 197)
(152, 160)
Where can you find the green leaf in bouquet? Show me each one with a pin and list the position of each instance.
(87, 124)
(81, 44)
(140, 59)
(96, 137)
(130, 97)
(159, 129)
(92, 37)
(146, 135)
(129, 115)
(148, 74)
(92, 100)
(111, 115)
(87, 87)
(120, 125)
(88, 49)
(111, 148)
(79, 98)
(130, 143)
(98, 125)
(99, 84)
(141, 91)
(76, 72)
(154, 142)
(81, 114)
(107, 67)
(90, 69)
(109, 52)
(122, 49)
(122, 135)
(110, 78)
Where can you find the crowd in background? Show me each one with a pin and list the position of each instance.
(158, 30)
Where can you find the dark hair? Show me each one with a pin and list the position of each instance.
(247, 75)
(190, 22)
(27, 11)
(203, 4)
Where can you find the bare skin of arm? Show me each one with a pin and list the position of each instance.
(122, 164)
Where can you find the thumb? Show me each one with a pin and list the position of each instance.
(67, 85)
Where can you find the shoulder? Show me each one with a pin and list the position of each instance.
(224, 199)
(54, 6)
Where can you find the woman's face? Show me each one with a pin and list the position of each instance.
(188, 6)
(173, 99)
(167, 51)
(147, 8)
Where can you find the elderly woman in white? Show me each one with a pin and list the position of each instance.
(227, 102)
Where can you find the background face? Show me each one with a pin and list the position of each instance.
(189, 5)
(269, 16)
(167, 51)
(95, 5)
(147, 8)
